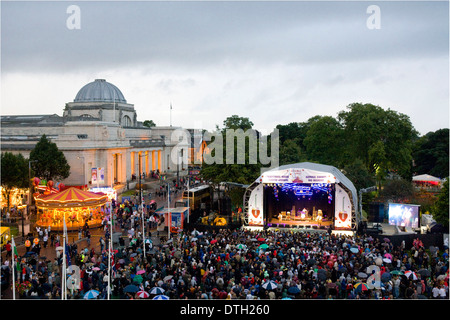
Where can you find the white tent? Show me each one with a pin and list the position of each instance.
(425, 178)
(304, 172)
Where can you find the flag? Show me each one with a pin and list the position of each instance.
(16, 255)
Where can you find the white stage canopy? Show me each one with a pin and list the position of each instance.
(346, 199)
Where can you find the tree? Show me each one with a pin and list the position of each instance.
(397, 190)
(440, 211)
(290, 152)
(244, 173)
(149, 123)
(324, 141)
(236, 122)
(431, 154)
(50, 163)
(382, 139)
(14, 173)
(358, 174)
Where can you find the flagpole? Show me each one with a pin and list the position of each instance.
(171, 114)
(13, 267)
(109, 257)
(188, 196)
(64, 267)
(168, 211)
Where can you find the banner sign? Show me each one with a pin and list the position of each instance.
(297, 176)
(343, 209)
(255, 207)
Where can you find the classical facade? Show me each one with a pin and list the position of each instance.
(100, 136)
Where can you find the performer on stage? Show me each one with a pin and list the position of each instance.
(319, 216)
(304, 213)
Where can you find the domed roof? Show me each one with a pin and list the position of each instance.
(99, 91)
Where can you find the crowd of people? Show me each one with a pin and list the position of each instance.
(240, 264)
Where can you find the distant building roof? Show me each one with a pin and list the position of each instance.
(100, 90)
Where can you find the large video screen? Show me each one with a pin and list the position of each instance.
(404, 215)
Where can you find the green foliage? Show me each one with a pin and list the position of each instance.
(358, 174)
(290, 152)
(236, 122)
(431, 154)
(325, 141)
(440, 211)
(50, 163)
(244, 173)
(397, 190)
(382, 139)
(14, 173)
(149, 123)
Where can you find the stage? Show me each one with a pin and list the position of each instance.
(303, 223)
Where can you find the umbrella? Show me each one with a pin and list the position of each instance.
(59, 248)
(140, 271)
(322, 276)
(386, 260)
(261, 239)
(412, 274)
(424, 272)
(91, 294)
(388, 256)
(270, 285)
(95, 268)
(385, 277)
(362, 275)
(138, 279)
(354, 249)
(142, 294)
(157, 290)
(294, 290)
(241, 246)
(133, 254)
(161, 297)
(386, 240)
(167, 278)
(131, 288)
(263, 246)
(396, 272)
(194, 239)
(361, 286)
(311, 262)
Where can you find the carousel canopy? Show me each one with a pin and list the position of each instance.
(72, 198)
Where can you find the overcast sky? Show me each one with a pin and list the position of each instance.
(273, 62)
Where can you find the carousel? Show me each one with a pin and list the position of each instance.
(78, 208)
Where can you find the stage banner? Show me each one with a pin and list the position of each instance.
(101, 175)
(294, 175)
(94, 175)
(255, 207)
(343, 209)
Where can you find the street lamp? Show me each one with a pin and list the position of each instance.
(29, 194)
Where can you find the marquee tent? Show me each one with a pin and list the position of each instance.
(301, 185)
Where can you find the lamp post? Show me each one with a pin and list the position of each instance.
(29, 193)
(141, 203)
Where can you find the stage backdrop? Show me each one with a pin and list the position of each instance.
(255, 212)
(342, 209)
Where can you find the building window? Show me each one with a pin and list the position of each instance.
(126, 122)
